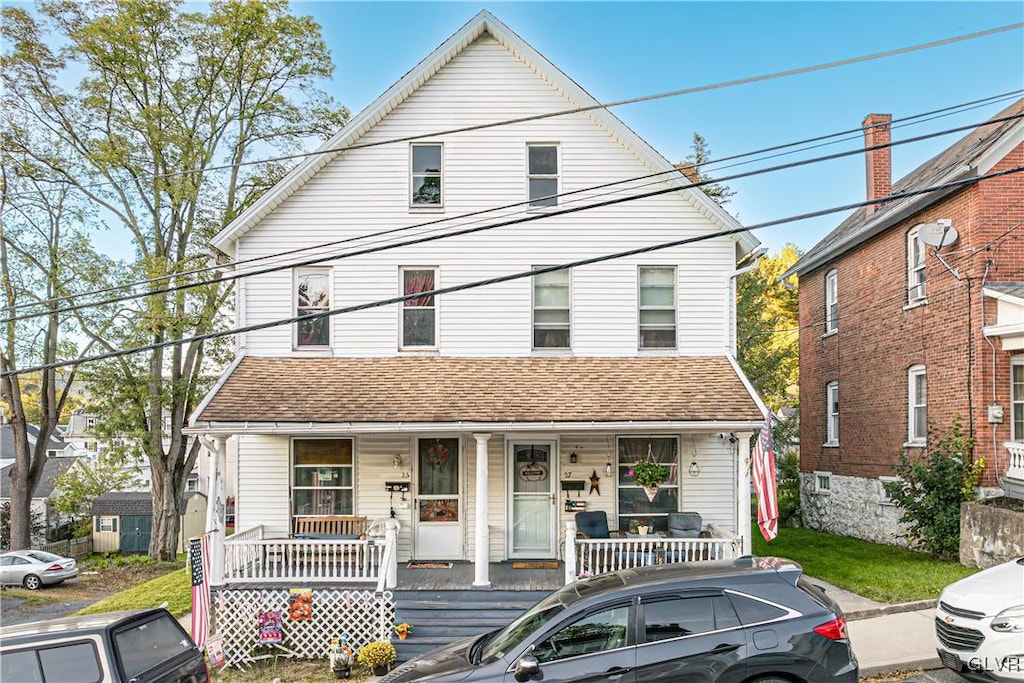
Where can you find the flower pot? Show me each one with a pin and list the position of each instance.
(642, 530)
(403, 635)
(381, 670)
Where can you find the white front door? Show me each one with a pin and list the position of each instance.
(532, 498)
(438, 515)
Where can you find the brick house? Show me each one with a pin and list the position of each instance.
(910, 327)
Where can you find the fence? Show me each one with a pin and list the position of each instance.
(74, 547)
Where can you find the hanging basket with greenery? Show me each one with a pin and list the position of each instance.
(650, 476)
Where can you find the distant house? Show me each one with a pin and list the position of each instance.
(912, 312)
(56, 447)
(123, 521)
(53, 468)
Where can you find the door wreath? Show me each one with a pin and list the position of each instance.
(437, 454)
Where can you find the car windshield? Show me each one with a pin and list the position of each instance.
(510, 637)
(144, 646)
(43, 556)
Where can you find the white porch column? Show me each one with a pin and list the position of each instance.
(743, 490)
(570, 551)
(483, 539)
(391, 544)
(216, 502)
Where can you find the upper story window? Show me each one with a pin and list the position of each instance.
(426, 174)
(90, 424)
(542, 174)
(312, 295)
(832, 413)
(831, 301)
(551, 311)
(657, 307)
(1017, 397)
(419, 315)
(915, 268)
(917, 400)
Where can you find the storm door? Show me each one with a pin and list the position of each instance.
(438, 516)
(532, 498)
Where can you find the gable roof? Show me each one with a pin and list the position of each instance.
(133, 503)
(483, 22)
(448, 391)
(966, 158)
(53, 468)
(7, 440)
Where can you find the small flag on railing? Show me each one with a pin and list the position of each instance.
(763, 458)
(199, 566)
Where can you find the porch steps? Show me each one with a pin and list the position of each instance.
(440, 617)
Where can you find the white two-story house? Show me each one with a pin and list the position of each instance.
(483, 416)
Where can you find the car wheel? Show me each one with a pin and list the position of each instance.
(771, 679)
(32, 582)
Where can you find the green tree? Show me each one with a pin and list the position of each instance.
(699, 155)
(87, 480)
(164, 95)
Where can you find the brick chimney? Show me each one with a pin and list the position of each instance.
(878, 162)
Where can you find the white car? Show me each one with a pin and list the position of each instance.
(34, 569)
(979, 624)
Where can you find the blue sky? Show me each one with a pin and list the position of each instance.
(629, 49)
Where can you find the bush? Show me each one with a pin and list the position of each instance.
(373, 655)
(106, 562)
(787, 488)
(931, 488)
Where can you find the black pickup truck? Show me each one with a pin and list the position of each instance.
(139, 646)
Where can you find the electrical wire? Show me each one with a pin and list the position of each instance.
(509, 277)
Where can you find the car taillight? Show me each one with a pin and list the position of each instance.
(833, 630)
(55, 568)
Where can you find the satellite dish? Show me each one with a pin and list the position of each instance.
(938, 234)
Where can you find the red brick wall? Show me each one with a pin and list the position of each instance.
(879, 338)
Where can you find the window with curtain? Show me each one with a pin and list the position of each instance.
(419, 315)
(831, 301)
(915, 267)
(312, 295)
(633, 506)
(917, 400)
(322, 477)
(657, 314)
(542, 174)
(551, 311)
(426, 174)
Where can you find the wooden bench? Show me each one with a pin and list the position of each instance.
(329, 527)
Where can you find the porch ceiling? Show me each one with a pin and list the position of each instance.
(481, 390)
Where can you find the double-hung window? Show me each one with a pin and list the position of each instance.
(635, 508)
(917, 401)
(1017, 397)
(831, 301)
(551, 311)
(419, 315)
(657, 314)
(426, 163)
(312, 295)
(322, 478)
(915, 267)
(542, 174)
(832, 413)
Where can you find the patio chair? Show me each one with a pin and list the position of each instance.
(594, 524)
(684, 524)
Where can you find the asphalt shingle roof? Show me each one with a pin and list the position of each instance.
(53, 468)
(1010, 288)
(444, 389)
(133, 503)
(7, 440)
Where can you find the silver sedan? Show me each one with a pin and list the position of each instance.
(35, 568)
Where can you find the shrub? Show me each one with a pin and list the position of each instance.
(931, 488)
(373, 655)
(787, 487)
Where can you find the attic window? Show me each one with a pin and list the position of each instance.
(426, 165)
(542, 174)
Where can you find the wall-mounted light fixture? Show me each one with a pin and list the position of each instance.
(573, 458)
(608, 469)
(397, 461)
(694, 468)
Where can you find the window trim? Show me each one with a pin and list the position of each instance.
(291, 476)
(915, 268)
(557, 175)
(640, 308)
(402, 346)
(915, 372)
(673, 483)
(832, 301)
(819, 477)
(329, 320)
(534, 308)
(832, 418)
(412, 176)
(1015, 361)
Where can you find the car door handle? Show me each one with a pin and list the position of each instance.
(723, 648)
(616, 672)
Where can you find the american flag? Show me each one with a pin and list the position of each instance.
(764, 481)
(199, 564)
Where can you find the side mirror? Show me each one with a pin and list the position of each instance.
(527, 667)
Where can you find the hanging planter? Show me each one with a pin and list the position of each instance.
(650, 475)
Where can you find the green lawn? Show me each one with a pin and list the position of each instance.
(173, 588)
(880, 572)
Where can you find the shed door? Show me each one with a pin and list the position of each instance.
(135, 533)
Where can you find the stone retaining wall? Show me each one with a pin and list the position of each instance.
(990, 534)
(855, 507)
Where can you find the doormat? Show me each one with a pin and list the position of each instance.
(429, 565)
(535, 565)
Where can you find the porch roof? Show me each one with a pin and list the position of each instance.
(706, 389)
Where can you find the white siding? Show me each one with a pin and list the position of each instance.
(366, 190)
(263, 482)
(375, 457)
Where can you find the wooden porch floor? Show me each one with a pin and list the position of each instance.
(462, 574)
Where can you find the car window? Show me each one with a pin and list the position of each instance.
(677, 617)
(598, 632)
(70, 663)
(19, 560)
(528, 623)
(6, 560)
(21, 666)
(141, 647)
(43, 556)
(725, 615)
(753, 611)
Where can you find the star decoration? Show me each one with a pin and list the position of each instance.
(595, 484)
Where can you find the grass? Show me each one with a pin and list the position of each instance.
(290, 670)
(173, 588)
(31, 598)
(880, 572)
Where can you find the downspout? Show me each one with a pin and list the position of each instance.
(730, 289)
(992, 349)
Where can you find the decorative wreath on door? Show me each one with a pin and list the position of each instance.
(437, 454)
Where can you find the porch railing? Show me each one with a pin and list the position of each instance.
(591, 556)
(1015, 470)
(284, 559)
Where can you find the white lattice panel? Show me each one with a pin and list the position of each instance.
(364, 615)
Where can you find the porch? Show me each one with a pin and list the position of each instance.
(1013, 479)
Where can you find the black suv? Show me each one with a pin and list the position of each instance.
(140, 646)
(752, 619)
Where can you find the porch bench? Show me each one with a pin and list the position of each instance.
(329, 527)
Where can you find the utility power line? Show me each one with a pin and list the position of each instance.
(512, 276)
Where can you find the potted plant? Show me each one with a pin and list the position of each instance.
(403, 630)
(377, 656)
(650, 475)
